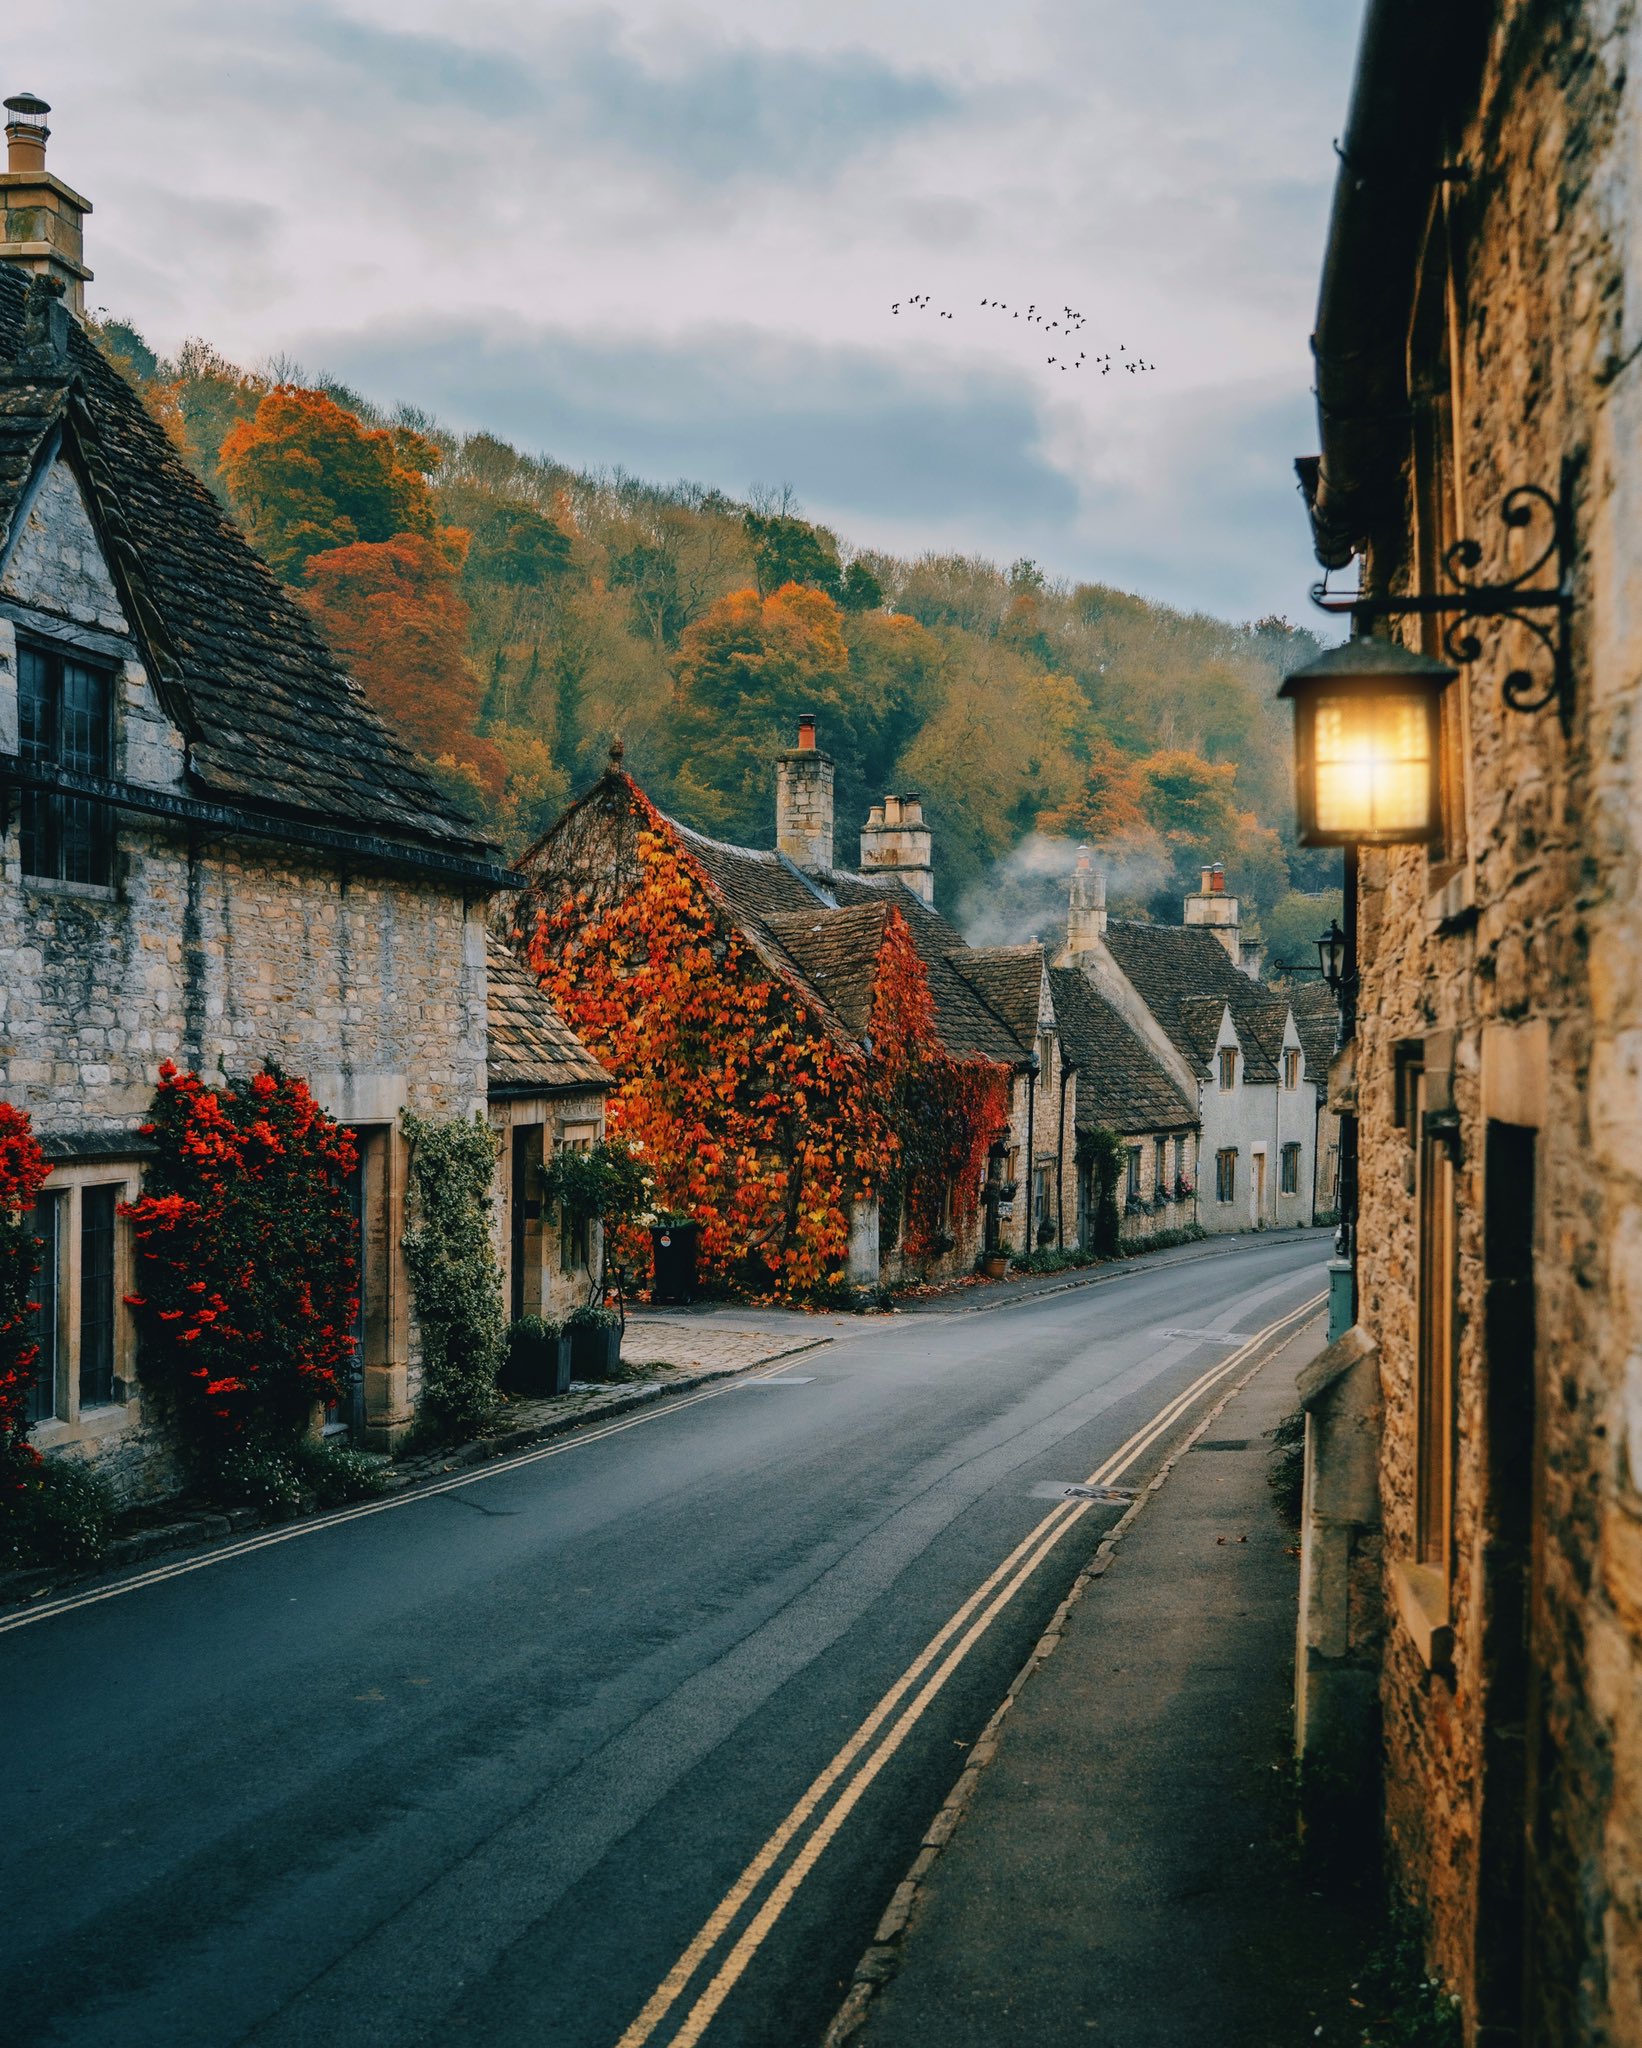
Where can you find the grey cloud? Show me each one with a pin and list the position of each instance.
(848, 427)
(708, 109)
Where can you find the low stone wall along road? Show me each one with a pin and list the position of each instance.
(626, 1742)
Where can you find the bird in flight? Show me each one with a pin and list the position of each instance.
(1069, 323)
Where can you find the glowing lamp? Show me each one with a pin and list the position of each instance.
(1366, 753)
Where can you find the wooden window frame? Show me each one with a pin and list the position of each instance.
(1228, 1067)
(1225, 1174)
(73, 1418)
(1288, 1172)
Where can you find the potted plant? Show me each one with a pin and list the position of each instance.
(595, 1341)
(538, 1358)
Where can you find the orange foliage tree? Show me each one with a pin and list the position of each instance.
(757, 1117)
(305, 475)
(391, 610)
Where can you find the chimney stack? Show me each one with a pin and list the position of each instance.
(803, 801)
(1213, 908)
(896, 839)
(1086, 913)
(44, 217)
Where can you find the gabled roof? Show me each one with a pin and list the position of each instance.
(838, 951)
(1173, 966)
(533, 1051)
(1010, 980)
(274, 724)
(1122, 1085)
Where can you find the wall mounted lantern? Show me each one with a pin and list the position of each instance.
(1367, 761)
(1331, 956)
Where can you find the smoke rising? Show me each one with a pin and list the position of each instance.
(1024, 896)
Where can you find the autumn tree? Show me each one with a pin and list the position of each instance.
(1108, 804)
(1193, 804)
(307, 477)
(391, 610)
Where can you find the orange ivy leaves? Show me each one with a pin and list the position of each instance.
(756, 1118)
(753, 1119)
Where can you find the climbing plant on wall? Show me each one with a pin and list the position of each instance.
(23, 1171)
(453, 1271)
(758, 1116)
(246, 1280)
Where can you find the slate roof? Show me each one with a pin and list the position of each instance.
(273, 721)
(838, 951)
(1317, 1019)
(1174, 968)
(1122, 1085)
(533, 1051)
(1010, 981)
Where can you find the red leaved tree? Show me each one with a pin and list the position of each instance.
(23, 1171)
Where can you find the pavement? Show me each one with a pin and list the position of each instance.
(1118, 1864)
(626, 1737)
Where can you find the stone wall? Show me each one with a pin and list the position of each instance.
(1514, 960)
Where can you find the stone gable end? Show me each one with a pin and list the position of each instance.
(57, 563)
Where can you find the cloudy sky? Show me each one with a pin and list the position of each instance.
(666, 238)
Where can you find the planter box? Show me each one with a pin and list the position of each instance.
(537, 1366)
(594, 1354)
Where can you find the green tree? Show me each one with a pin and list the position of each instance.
(787, 550)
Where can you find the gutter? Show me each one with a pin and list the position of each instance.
(1412, 65)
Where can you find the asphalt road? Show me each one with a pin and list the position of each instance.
(477, 1769)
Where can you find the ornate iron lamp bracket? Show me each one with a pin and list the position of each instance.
(1543, 608)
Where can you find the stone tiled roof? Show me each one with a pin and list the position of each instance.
(1010, 979)
(1317, 1019)
(533, 1051)
(838, 951)
(1172, 967)
(272, 720)
(1122, 1085)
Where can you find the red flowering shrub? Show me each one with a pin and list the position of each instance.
(23, 1170)
(247, 1282)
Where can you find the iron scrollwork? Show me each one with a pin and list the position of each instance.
(1543, 609)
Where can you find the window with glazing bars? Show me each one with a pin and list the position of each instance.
(43, 1224)
(97, 1296)
(65, 721)
(1225, 1176)
(1291, 1170)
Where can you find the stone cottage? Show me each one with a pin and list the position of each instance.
(1229, 1045)
(1479, 335)
(213, 851)
(828, 935)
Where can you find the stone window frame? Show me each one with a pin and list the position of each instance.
(577, 1242)
(57, 649)
(70, 1423)
(1288, 1174)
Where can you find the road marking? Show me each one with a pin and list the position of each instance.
(70, 1602)
(994, 1594)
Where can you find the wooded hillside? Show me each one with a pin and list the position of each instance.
(512, 616)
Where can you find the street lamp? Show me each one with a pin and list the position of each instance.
(1367, 757)
(1331, 956)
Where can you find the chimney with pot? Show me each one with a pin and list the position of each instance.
(44, 216)
(1211, 906)
(1086, 913)
(895, 838)
(803, 801)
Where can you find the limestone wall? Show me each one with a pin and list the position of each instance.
(1526, 946)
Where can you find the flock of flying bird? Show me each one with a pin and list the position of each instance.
(1068, 325)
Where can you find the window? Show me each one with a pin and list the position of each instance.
(1438, 1207)
(575, 1232)
(1043, 1228)
(45, 1224)
(525, 1219)
(1132, 1185)
(1225, 1176)
(64, 721)
(1179, 1165)
(97, 1296)
(1228, 1066)
(1291, 1068)
(1290, 1181)
(1160, 1169)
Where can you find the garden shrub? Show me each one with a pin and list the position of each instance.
(23, 1171)
(246, 1277)
(336, 1474)
(57, 1512)
(453, 1271)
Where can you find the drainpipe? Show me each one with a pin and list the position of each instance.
(1031, 1153)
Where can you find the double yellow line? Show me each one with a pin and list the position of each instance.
(838, 1789)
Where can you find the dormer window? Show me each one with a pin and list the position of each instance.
(1228, 1066)
(65, 720)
